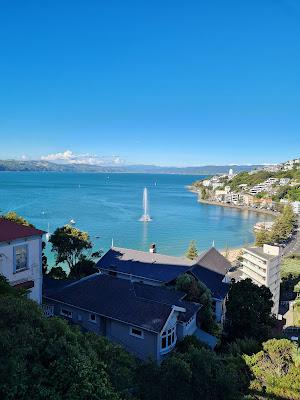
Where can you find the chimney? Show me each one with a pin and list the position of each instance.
(152, 248)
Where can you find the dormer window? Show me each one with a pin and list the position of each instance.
(20, 257)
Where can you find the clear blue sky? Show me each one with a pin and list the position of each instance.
(166, 82)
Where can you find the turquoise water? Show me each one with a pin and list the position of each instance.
(110, 207)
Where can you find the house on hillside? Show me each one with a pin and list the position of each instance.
(21, 257)
(156, 269)
(146, 320)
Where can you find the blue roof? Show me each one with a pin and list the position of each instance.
(153, 266)
(132, 303)
(210, 268)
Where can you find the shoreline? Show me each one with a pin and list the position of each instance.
(241, 208)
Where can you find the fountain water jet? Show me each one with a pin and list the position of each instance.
(145, 217)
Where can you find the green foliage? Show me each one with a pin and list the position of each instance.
(242, 346)
(57, 273)
(290, 267)
(7, 290)
(248, 311)
(244, 178)
(84, 267)
(262, 237)
(190, 341)
(276, 370)
(194, 374)
(204, 193)
(283, 225)
(281, 230)
(69, 244)
(14, 217)
(199, 293)
(192, 251)
(46, 359)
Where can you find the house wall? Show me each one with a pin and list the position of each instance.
(79, 317)
(263, 272)
(34, 271)
(115, 331)
(186, 328)
(219, 309)
(143, 348)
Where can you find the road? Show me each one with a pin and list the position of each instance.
(294, 246)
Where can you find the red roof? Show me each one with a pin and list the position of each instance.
(10, 231)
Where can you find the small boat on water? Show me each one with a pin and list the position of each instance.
(72, 222)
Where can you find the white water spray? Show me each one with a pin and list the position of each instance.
(145, 217)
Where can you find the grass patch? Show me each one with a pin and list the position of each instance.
(290, 266)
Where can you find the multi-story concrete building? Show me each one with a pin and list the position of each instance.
(262, 266)
(21, 257)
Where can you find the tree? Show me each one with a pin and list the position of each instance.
(262, 237)
(276, 370)
(283, 225)
(57, 273)
(69, 244)
(49, 359)
(194, 374)
(14, 217)
(248, 311)
(192, 251)
(196, 291)
(7, 290)
(84, 267)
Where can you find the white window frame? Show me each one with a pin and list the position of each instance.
(94, 321)
(134, 334)
(69, 314)
(169, 333)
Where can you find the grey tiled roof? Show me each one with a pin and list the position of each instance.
(153, 266)
(210, 267)
(133, 303)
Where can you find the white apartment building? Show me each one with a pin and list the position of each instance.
(284, 181)
(21, 257)
(262, 266)
(206, 182)
(215, 185)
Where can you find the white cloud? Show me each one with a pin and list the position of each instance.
(68, 157)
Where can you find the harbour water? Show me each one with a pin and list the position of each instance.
(110, 206)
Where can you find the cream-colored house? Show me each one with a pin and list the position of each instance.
(262, 266)
(21, 257)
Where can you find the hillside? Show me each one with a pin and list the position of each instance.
(16, 165)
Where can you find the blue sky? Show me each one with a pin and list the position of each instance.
(164, 82)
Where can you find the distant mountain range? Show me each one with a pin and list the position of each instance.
(16, 165)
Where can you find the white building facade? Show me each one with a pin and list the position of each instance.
(21, 257)
(262, 266)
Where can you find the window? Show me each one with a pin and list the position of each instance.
(168, 339)
(136, 332)
(21, 257)
(66, 313)
(92, 318)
